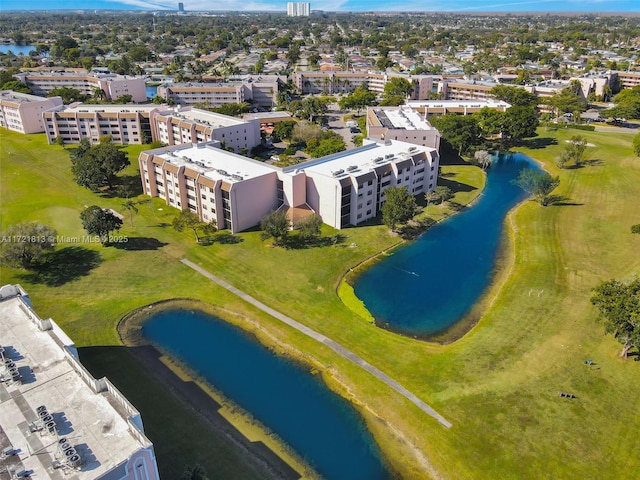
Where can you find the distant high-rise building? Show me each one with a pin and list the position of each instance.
(181, 7)
(298, 9)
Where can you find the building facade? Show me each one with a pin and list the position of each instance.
(124, 123)
(258, 90)
(22, 113)
(459, 107)
(298, 9)
(112, 86)
(345, 189)
(347, 82)
(174, 126)
(403, 124)
(58, 421)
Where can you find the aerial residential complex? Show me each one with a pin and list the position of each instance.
(22, 112)
(345, 189)
(259, 90)
(56, 420)
(459, 107)
(298, 9)
(145, 123)
(191, 125)
(403, 124)
(111, 85)
(124, 123)
(347, 82)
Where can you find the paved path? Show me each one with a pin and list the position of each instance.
(327, 341)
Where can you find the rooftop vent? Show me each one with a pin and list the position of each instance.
(337, 173)
(222, 172)
(351, 168)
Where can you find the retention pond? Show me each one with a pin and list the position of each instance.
(319, 425)
(426, 287)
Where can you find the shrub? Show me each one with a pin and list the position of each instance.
(635, 228)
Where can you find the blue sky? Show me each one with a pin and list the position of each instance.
(340, 5)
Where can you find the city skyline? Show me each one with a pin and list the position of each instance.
(544, 6)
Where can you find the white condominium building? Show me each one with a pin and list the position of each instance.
(56, 420)
(258, 90)
(113, 86)
(178, 125)
(124, 123)
(345, 189)
(401, 123)
(22, 113)
(298, 9)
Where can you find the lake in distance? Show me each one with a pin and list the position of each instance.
(427, 286)
(318, 424)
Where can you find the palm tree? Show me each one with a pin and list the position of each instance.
(131, 206)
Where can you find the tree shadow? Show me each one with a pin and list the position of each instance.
(138, 243)
(455, 186)
(561, 201)
(64, 265)
(539, 142)
(595, 162)
(297, 242)
(126, 186)
(223, 238)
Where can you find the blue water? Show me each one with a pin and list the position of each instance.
(318, 424)
(151, 92)
(432, 283)
(17, 49)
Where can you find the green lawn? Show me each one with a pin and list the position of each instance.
(498, 385)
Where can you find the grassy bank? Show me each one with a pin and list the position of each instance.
(499, 384)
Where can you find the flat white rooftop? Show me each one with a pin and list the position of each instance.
(402, 118)
(95, 424)
(364, 159)
(216, 163)
(458, 103)
(17, 97)
(205, 117)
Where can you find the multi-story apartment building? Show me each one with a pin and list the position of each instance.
(258, 90)
(549, 88)
(237, 192)
(113, 86)
(124, 123)
(401, 123)
(56, 420)
(628, 79)
(347, 82)
(22, 113)
(298, 9)
(191, 125)
(460, 107)
(458, 89)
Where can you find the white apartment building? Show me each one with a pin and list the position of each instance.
(628, 79)
(178, 125)
(114, 86)
(345, 189)
(22, 113)
(401, 123)
(298, 9)
(347, 82)
(460, 107)
(56, 420)
(258, 90)
(124, 123)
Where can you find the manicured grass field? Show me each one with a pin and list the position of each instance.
(498, 385)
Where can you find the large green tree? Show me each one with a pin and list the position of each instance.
(22, 245)
(310, 226)
(97, 166)
(515, 96)
(538, 183)
(519, 123)
(566, 101)
(359, 99)
(398, 208)
(619, 306)
(461, 132)
(275, 225)
(100, 221)
(187, 219)
(573, 152)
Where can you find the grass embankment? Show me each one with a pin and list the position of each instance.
(498, 385)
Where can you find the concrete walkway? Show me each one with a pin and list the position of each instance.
(339, 349)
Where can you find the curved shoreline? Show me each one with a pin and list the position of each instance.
(268, 452)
